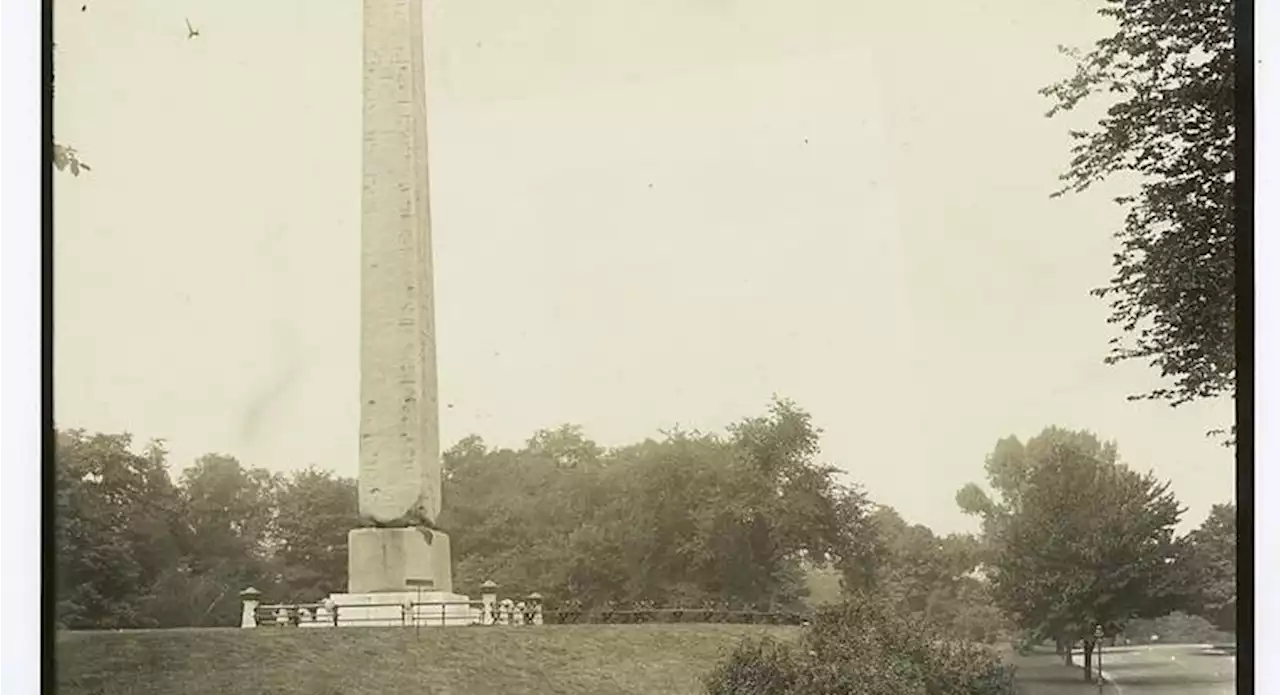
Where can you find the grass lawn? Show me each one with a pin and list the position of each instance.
(566, 659)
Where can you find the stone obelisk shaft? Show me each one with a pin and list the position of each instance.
(399, 418)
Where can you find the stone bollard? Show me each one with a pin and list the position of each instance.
(249, 612)
(489, 597)
(331, 608)
(535, 608)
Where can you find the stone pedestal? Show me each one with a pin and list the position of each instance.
(381, 560)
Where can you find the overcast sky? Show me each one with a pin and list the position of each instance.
(645, 214)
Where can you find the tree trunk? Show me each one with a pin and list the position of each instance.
(1088, 661)
(1058, 646)
(1066, 652)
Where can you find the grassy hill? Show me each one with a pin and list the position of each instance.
(561, 659)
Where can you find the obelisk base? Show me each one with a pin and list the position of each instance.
(381, 560)
(400, 577)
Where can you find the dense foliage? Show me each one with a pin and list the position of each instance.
(862, 646)
(1074, 538)
(134, 548)
(750, 519)
(690, 520)
(1210, 565)
(936, 579)
(1168, 71)
(1176, 628)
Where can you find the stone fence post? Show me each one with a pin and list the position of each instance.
(489, 597)
(249, 599)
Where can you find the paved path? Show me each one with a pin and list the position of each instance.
(1170, 670)
(1043, 673)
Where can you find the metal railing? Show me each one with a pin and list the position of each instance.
(491, 610)
(410, 614)
(673, 615)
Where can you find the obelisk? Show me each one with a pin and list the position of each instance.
(399, 477)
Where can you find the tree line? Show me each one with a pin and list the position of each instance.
(748, 518)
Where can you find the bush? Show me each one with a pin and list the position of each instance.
(861, 647)
(758, 666)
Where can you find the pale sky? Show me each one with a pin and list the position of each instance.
(631, 232)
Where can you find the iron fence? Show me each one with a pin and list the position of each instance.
(491, 610)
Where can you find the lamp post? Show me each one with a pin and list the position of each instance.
(1098, 634)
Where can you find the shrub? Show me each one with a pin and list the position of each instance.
(758, 666)
(861, 647)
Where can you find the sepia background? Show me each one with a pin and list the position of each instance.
(645, 214)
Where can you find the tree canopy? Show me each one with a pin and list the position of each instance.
(936, 578)
(1211, 566)
(747, 518)
(1073, 537)
(686, 519)
(1168, 71)
(689, 519)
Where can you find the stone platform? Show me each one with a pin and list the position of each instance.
(388, 609)
(401, 577)
(381, 560)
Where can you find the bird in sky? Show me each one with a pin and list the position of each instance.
(192, 32)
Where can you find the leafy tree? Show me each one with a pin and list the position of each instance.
(688, 519)
(511, 513)
(227, 533)
(935, 578)
(565, 446)
(814, 516)
(1211, 560)
(1074, 538)
(315, 510)
(114, 515)
(66, 158)
(1169, 70)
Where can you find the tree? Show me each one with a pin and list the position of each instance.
(315, 510)
(935, 578)
(565, 446)
(115, 511)
(1169, 69)
(1211, 564)
(1074, 538)
(816, 518)
(511, 513)
(688, 519)
(227, 534)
